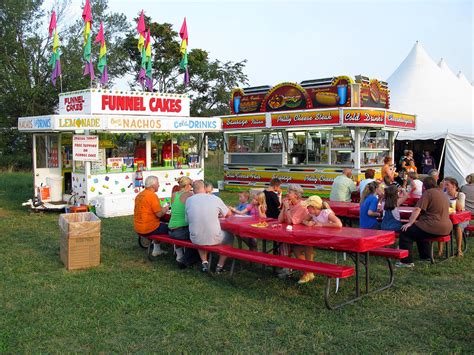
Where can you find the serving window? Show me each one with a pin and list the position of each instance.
(255, 148)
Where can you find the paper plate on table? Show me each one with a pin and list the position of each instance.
(260, 225)
(242, 215)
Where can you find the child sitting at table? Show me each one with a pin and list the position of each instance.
(208, 187)
(369, 206)
(259, 206)
(244, 207)
(320, 215)
(391, 214)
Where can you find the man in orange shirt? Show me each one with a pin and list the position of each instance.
(148, 211)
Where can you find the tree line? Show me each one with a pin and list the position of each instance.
(25, 85)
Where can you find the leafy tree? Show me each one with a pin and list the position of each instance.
(210, 80)
(25, 86)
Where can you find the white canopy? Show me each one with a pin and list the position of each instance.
(443, 103)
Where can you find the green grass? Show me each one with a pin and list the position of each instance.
(129, 304)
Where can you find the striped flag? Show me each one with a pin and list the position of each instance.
(183, 33)
(55, 61)
(149, 76)
(142, 48)
(87, 17)
(102, 64)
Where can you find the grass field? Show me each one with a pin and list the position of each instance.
(129, 304)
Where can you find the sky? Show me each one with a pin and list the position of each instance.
(301, 40)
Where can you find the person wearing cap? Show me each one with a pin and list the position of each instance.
(320, 215)
(468, 190)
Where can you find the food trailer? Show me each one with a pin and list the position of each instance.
(102, 145)
(307, 133)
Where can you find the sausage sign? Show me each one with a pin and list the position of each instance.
(94, 101)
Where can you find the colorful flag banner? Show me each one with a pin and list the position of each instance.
(149, 76)
(87, 17)
(102, 64)
(55, 61)
(142, 48)
(183, 33)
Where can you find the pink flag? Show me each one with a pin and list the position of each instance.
(141, 25)
(183, 32)
(87, 13)
(100, 36)
(52, 23)
(147, 40)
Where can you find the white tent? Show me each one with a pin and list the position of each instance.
(443, 103)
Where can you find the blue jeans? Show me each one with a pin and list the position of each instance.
(162, 229)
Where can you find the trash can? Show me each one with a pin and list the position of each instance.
(55, 184)
(79, 246)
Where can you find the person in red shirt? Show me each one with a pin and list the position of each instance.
(148, 211)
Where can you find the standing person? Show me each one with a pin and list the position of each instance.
(387, 170)
(343, 186)
(178, 226)
(468, 190)
(457, 201)
(369, 206)
(202, 213)
(273, 198)
(369, 177)
(427, 163)
(292, 212)
(147, 213)
(429, 219)
(320, 215)
(390, 207)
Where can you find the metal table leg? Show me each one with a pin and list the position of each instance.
(366, 272)
(357, 274)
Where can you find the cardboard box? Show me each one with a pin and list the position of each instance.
(80, 240)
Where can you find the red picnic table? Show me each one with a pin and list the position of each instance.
(341, 208)
(344, 239)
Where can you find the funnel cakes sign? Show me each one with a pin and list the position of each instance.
(98, 101)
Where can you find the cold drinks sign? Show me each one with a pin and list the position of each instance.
(118, 102)
(85, 148)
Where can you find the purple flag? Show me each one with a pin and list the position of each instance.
(186, 77)
(56, 72)
(104, 77)
(89, 70)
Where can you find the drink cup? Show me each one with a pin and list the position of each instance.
(236, 104)
(342, 92)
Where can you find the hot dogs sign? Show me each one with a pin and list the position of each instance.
(96, 101)
(341, 91)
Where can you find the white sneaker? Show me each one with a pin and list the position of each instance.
(400, 264)
(179, 254)
(157, 250)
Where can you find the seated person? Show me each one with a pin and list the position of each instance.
(343, 186)
(208, 187)
(258, 206)
(202, 213)
(415, 186)
(273, 198)
(468, 190)
(457, 200)
(178, 226)
(433, 222)
(369, 177)
(369, 206)
(292, 212)
(320, 215)
(244, 206)
(390, 207)
(147, 213)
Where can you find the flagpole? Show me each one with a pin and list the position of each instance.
(61, 82)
